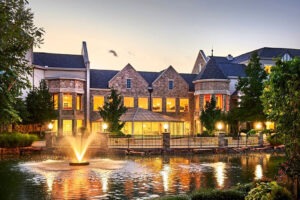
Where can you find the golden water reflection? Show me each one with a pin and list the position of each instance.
(157, 175)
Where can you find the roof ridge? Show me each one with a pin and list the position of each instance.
(135, 113)
(58, 54)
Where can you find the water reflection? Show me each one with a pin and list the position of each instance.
(258, 172)
(147, 177)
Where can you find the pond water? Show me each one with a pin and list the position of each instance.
(129, 177)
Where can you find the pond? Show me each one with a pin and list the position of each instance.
(129, 177)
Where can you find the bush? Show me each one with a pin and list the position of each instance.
(218, 195)
(276, 139)
(244, 188)
(268, 191)
(13, 140)
(179, 197)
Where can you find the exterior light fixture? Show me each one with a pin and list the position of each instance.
(258, 125)
(50, 126)
(219, 126)
(166, 126)
(150, 90)
(104, 126)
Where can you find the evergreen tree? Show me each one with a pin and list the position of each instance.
(111, 112)
(210, 115)
(40, 105)
(17, 36)
(251, 86)
(281, 101)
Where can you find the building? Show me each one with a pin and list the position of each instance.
(156, 100)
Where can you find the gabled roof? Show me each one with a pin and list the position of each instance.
(149, 76)
(100, 78)
(211, 71)
(142, 115)
(58, 60)
(267, 53)
(189, 79)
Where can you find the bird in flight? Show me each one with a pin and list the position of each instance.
(113, 52)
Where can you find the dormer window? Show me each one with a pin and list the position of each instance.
(128, 83)
(171, 84)
(286, 57)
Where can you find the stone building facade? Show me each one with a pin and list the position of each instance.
(79, 91)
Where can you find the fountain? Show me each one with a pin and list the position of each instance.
(80, 146)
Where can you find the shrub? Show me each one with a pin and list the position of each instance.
(179, 197)
(12, 140)
(218, 195)
(268, 191)
(276, 139)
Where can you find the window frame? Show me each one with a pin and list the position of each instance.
(64, 107)
(128, 83)
(171, 84)
(171, 110)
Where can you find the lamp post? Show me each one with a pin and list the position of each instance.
(166, 126)
(104, 126)
(258, 126)
(49, 138)
(219, 127)
(150, 90)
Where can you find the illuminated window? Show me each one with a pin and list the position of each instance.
(67, 127)
(197, 103)
(268, 68)
(98, 102)
(171, 84)
(128, 83)
(78, 125)
(55, 127)
(96, 127)
(78, 101)
(143, 102)
(67, 101)
(269, 125)
(127, 128)
(129, 102)
(184, 105)
(206, 99)
(55, 101)
(156, 105)
(219, 101)
(171, 104)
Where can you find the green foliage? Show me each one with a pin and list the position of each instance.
(40, 105)
(268, 191)
(179, 197)
(276, 139)
(210, 115)
(281, 100)
(251, 86)
(209, 194)
(12, 140)
(111, 112)
(18, 36)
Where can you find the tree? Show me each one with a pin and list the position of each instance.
(281, 101)
(18, 36)
(210, 115)
(111, 112)
(251, 86)
(40, 105)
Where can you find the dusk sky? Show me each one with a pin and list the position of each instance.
(154, 34)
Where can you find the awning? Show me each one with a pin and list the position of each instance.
(142, 115)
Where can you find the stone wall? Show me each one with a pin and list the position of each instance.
(139, 86)
(212, 85)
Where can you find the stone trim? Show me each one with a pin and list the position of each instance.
(66, 90)
(212, 92)
(211, 80)
(64, 78)
(59, 68)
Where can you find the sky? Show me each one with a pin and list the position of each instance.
(154, 34)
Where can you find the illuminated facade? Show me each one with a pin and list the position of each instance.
(78, 91)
